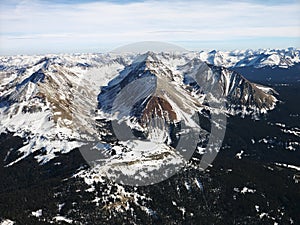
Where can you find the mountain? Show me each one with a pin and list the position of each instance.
(263, 65)
(282, 58)
(153, 98)
(37, 102)
(235, 89)
(52, 99)
(171, 138)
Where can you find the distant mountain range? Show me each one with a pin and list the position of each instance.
(282, 58)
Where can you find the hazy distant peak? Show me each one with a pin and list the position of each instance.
(149, 46)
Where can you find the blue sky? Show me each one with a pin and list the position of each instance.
(44, 26)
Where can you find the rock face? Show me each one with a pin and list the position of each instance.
(157, 106)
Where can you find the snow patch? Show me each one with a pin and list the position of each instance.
(7, 222)
(244, 190)
(62, 218)
(288, 166)
(37, 213)
(239, 155)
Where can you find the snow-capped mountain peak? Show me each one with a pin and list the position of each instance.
(54, 98)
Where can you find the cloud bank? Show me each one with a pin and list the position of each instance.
(42, 26)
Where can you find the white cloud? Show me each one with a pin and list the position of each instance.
(37, 24)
